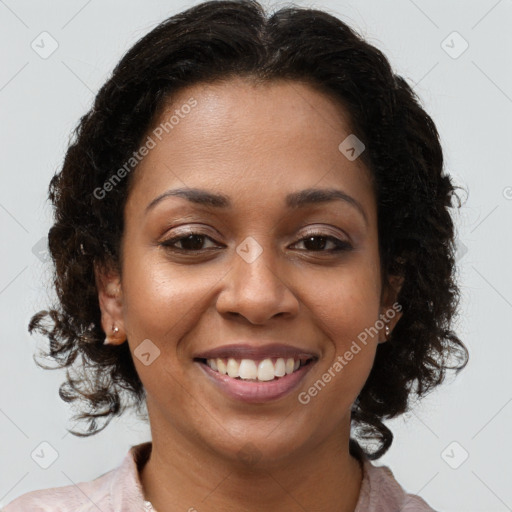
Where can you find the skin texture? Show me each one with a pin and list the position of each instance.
(254, 144)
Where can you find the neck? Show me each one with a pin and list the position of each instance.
(181, 474)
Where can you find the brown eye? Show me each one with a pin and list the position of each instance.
(189, 243)
(318, 241)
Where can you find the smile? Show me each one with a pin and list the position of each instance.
(255, 374)
(253, 370)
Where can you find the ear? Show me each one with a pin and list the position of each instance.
(110, 300)
(391, 310)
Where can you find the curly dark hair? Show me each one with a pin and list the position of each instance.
(218, 40)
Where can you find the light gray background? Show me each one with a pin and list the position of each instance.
(470, 99)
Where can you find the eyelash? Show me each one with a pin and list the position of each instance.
(341, 246)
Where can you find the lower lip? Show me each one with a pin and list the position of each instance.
(256, 392)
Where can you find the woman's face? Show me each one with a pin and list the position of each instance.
(269, 273)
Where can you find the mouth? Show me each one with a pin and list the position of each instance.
(256, 375)
(254, 370)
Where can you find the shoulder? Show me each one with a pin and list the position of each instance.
(87, 496)
(381, 492)
(80, 497)
(117, 489)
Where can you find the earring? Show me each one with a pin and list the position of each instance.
(388, 332)
(108, 341)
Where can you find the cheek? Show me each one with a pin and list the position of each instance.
(346, 309)
(345, 303)
(161, 301)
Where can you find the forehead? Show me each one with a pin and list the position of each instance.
(252, 141)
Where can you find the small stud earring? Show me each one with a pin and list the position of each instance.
(388, 331)
(108, 341)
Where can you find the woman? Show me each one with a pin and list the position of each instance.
(252, 238)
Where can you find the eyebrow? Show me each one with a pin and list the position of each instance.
(293, 200)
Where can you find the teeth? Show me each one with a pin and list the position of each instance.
(266, 370)
(221, 366)
(233, 368)
(248, 369)
(280, 368)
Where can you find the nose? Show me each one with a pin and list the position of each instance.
(256, 291)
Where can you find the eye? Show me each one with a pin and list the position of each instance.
(317, 242)
(192, 241)
(313, 242)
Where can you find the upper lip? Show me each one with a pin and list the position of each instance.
(245, 351)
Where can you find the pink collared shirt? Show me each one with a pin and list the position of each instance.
(120, 490)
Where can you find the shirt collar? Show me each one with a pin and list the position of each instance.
(126, 489)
